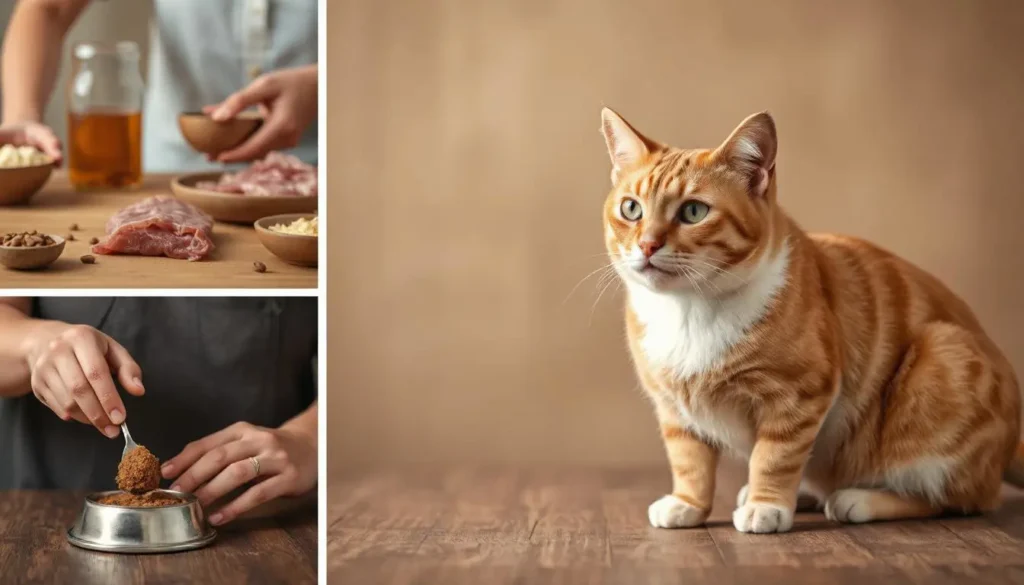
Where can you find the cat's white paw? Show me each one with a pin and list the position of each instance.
(850, 505)
(741, 498)
(762, 518)
(671, 512)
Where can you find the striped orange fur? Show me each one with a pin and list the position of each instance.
(837, 369)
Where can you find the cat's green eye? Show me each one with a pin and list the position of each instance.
(631, 209)
(693, 211)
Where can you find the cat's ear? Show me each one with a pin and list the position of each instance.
(751, 150)
(626, 146)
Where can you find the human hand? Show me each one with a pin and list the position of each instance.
(32, 134)
(288, 102)
(219, 463)
(71, 374)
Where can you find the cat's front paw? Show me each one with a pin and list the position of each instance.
(762, 518)
(671, 512)
(851, 505)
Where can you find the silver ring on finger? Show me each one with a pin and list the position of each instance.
(255, 466)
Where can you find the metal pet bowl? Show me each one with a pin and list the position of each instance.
(121, 529)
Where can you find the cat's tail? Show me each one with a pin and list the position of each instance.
(1014, 474)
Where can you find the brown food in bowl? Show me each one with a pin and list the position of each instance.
(32, 239)
(139, 471)
(150, 500)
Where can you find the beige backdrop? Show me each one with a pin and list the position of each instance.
(467, 176)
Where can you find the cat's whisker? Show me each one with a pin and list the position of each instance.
(590, 320)
(718, 271)
(610, 266)
(740, 280)
(693, 282)
(698, 277)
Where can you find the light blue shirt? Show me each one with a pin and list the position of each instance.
(202, 51)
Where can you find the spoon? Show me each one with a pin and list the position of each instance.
(129, 444)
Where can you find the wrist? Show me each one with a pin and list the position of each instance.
(310, 74)
(22, 116)
(303, 428)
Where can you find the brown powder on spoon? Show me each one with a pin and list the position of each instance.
(139, 471)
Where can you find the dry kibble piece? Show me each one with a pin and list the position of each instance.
(94, 240)
(74, 227)
(32, 239)
(70, 237)
(259, 266)
(88, 259)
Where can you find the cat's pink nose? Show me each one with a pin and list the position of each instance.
(649, 247)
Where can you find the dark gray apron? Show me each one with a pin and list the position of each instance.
(206, 363)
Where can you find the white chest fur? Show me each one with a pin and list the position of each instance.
(687, 335)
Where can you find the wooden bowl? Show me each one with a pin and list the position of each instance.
(32, 258)
(206, 135)
(19, 184)
(234, 208)
(292, 248)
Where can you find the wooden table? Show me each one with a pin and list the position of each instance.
(33, 549)
(58, 206)
(567, 526)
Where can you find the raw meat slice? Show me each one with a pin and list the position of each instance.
(277, 175)
(159, 226)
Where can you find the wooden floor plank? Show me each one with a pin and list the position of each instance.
(570, 529)
(576, 526)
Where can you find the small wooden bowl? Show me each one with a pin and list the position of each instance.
(206, 135)
(292, 248)
(235, 208)
(32, 258)
(19, 184)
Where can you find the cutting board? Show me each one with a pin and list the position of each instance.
(54, 209)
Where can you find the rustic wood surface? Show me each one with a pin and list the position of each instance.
(568, 526)
(57, 206)
(34, 549)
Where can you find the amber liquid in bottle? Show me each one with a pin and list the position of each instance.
(105, 149)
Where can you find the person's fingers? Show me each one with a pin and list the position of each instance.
(262, 89)
(46, 397)
(41, 390)
(266, 447)
(45, 140)
(76, 414)
(81, 390)
(129, 373)
(258, 494)
(52, 392)
(280, 130)
(97, 372)
(214, 464)
(196, 449)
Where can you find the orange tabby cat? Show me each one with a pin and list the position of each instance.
(839, 370)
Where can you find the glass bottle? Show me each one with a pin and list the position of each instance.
(105, 96)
